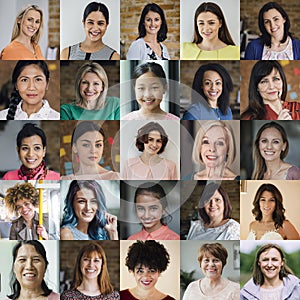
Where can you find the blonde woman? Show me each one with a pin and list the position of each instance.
(91, 101)
(26, 34)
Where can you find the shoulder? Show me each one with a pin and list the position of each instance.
(170, 116)
(11, 175)
(64, 55)
(3, 114)
(113, 101)
(53, 296)
(170, 234)
(136, 49)
(66, 233)
(293, 173)
(131, 116)
(136, 236)
(133, 161)
(170, 163)
(189, 50)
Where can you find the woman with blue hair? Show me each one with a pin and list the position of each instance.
(85, 214)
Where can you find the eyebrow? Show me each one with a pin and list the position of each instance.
(88, 141)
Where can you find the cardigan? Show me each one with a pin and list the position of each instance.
(255, 48)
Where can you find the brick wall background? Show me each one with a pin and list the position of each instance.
(130, 15)
(54, 24)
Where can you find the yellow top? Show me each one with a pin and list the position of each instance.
(192, 51)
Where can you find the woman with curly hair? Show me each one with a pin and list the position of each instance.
(85, 214)
(270, 222)
(146, 260)
(22, 199)
(87, 284)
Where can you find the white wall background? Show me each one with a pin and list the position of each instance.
(290, 190)
(8, 12)
(71, 27)
(231, 11)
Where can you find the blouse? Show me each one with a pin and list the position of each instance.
(110, 111)
(18, 51)
(110, 175)
(286, 54)
(139, 50)
(228, 231)
(77, 234)
(190, 51)
(14, 175)
(76, 294)
(135, 115)
(162, 233)
(45, 113)
(135, 169)
(126, 295)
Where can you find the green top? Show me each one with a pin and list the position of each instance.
(110, 111)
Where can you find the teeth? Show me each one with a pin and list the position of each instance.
(211, 157)
(29, 275)
(90, 271)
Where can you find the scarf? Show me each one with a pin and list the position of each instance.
(40, 172)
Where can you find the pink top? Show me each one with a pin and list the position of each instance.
(13, 175)
(135, 169)
(18, 51)
(162, 233)
(110, 175)
(135, 115)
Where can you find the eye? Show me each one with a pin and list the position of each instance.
(263, 141)
(24, 148)
(140, 208)
(152, 270)
(36, 260)
(85, 145)
(207, 83)
(218, 83)
(220, 143)
(205, 142)
(277, 79)
(200, 23)
(37, 148)
(21, 260)
(23, 79)
(262, 200)
(99, 145)
(154, 208)
(212, 23)
(157, 19)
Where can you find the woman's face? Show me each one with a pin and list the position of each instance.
(32, 151)
(270, 87)
(91, 87)
(31, 23)
(270, 263)
(95, 26)
(149, 211)
(154, 143)
(152, 22)
(271, 144)
(85, 205)
(214, 208)
(149, 91)
(208, 26)
(29, 268)
(25, 208)
(214, 147)
(211, 266)
(91, 265)
(32, 85)
(89, 148)
(212, 85)
(267, 204)
(274, 23)
(146, 278)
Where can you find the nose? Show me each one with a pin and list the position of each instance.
(147, 93)
(87, 205)
(269, 145)
(212, 147)
(30, 151)
(28, 263)
(31, 85)
(146, 214)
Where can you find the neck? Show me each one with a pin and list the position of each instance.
(266, 219)
(150, 230)
(213, 103)
(275, 105)
(145, 294)
(273, 167)
(84, 170)
(31, 109)
(276, 41)
(89, 285)
(212, 282)
(34, 293)
(148, 159)
(211, 45)
(215, 222)
(89, 105)
(83, 227)
(271, 282)
(24, 39)
(150, 38)
(91, 45)
(217, 172)
(153, 112)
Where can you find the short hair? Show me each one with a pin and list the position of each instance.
(143, 133)
(278, 214)
(28, 130)
(148, 67)
(20, 191)
(149, 253)
(215, 249)
(91, 67)
(19, 20)
(96, 229)
(258, 276)
(197, 88)
(229, 139)
(207, 193)
(15, 97)
(96, 6)
(14, 283)
(103, 279)
(162, 33)
(262, 68)
(259, 162)
(156, 191)
(266, 38)
(223, 34)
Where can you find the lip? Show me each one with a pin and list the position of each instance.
(93, 158)
(31, 95)
(29, 276)
(211, 157)
(207, 34)
(148, 102)
(30, 161)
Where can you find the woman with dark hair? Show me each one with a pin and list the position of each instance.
(270, 222)
(215, 222)
(275, 42)
(95, 21)
(30, 81)
(153, 31)
(151, 209)
(30, 262)
(212, 39)
(267, 92)
(146, 260)
(31, 147)
(272, 278)
(87, 149)
(212, 259)
(150, 86)
(26, 35)
(85, 214)
(151, 141)
(270, 147)
(210, 94)
(90, 278)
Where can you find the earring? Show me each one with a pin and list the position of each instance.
(77, 159)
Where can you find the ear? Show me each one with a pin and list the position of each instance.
(82, 22)
(74, 149)
(44, 151)
(166, 88)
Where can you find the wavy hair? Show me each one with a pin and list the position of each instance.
(96, 229)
